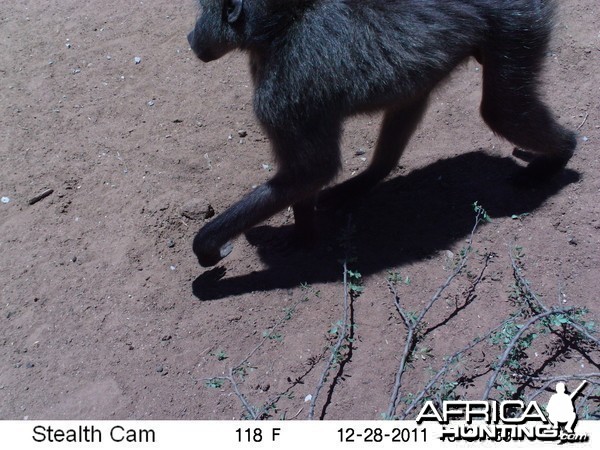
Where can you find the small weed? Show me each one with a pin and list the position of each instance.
(519, 253)
(237, 374)
(589, 410)
(307, 288)
(506, 387)
(504, 335)
(335, 328)
(397, 278)
(272, 335)
(481, 212)
(289, 312)
(355, 283)
(242, 371)
(215, 383)
(422, 352)
(220, 355)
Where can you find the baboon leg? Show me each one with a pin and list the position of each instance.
(398, 126)
(512, 107)
(304, 217)
(306, 166)
(212, 243)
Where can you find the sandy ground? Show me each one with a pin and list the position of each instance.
(104, 311)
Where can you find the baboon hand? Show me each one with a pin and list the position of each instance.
(211, 258)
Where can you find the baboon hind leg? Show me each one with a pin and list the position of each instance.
(304, 220)
(512, 107)
(399, 124)
(307, 164)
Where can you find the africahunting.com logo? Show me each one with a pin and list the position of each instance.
(510, 420)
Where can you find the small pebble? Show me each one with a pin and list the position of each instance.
(137, 60)
(5, 200)
(242, 133)
(170, 243)
(151, 103)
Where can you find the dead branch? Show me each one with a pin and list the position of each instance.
(448, 365)
(342, 336)
(253, 413)
(413, 324)
(525, 286)
(592, 378)
(249, 409)
(40, 196)
(584, 120)
(512, 344)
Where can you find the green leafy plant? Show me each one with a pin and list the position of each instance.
(215, 383)
(481, 212)
(220, 355)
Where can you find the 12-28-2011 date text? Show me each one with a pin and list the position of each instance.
(412, 435)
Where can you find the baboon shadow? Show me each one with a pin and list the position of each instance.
(403, 219)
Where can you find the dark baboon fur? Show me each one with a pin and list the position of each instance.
(316, 62)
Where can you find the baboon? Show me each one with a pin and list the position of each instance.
(316, 62)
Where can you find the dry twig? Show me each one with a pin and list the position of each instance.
(592, 378)
(41, 196)
(512, 344)
(584, 120)
(413, 324)
(253, 413)
(342, 336)
(448, 365)
(525, 286)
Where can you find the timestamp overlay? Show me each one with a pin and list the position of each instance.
(183, 435)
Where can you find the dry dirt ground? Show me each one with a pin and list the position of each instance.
(105, 313)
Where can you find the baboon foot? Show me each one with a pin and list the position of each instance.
(539, 171)
(210, 258)
(304, 236)
(523, 155)
(338, 196)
